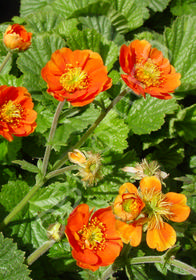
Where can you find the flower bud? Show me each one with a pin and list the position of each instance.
(16, 37)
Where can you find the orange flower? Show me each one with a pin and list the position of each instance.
(16, 37)
(147, 70)
(158, 208)
(77, 76)
(17, 116)
(128, 205)
(93, 239)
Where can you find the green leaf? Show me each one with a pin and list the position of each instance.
(43, 21)
(168, 153)
(9, 150)
(136, 272)
(147, 115)
(183, 7)
(11, 80)
(35, 58)
(3, 54)
(26, 165)
(110, 135)
(180, 40)
(91, 39)
(92, 9)
(158, 5)
(102, 25)
(74, 8)
(11, 261)
(47, 206)
(67, 27)
(70, 126)
(132, 11)
(31, 6)
(185, 124)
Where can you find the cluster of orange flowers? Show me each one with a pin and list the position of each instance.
(97, 240)
(79, 76)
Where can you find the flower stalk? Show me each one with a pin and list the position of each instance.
(160, 259)
(51, 136)
(42, 180)
(21, 204)
(40, 251)
(6, 60)
(82, 140)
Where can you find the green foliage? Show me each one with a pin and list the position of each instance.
(183, 7)
(90, 39)
(180, 40)
(35, 58)
(137, 128)
(11, 261)
(147, 115)
(185, 123)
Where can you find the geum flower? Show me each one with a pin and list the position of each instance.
(152, 217)
(77, 76)
(147, 70)
(93, 237)
(17, 116)
(16, 37)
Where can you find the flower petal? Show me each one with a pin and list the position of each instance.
(180, 211)
(161, 238)
(150, 183)
(129, 232)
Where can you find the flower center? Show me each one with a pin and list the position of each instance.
(74, 78)
(148, 73)
(10, 112)
(93, 235)
(157, 209)
(132, 205)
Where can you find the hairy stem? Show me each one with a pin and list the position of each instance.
(51, 136)
(160, 259)
(60, 171)
(7, 58)
(31, 193)
(102, 115)
(20, 205)
(40, 251)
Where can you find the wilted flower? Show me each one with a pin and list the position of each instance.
(93, 237)
(152, 218)
(17, 116)
(77, 76)
(147, 70)
(55, 231)
(145, 169)
(16, 37)
(89, 165)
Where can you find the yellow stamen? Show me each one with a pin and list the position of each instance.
(130, 205)
(10, 112)
(93, 235)
(148, 73)
(157, 208)
(74, 78)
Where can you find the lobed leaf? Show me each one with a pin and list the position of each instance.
(11, 261)
(180, 40)
(147, 115)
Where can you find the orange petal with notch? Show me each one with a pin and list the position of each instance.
(161, 238)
